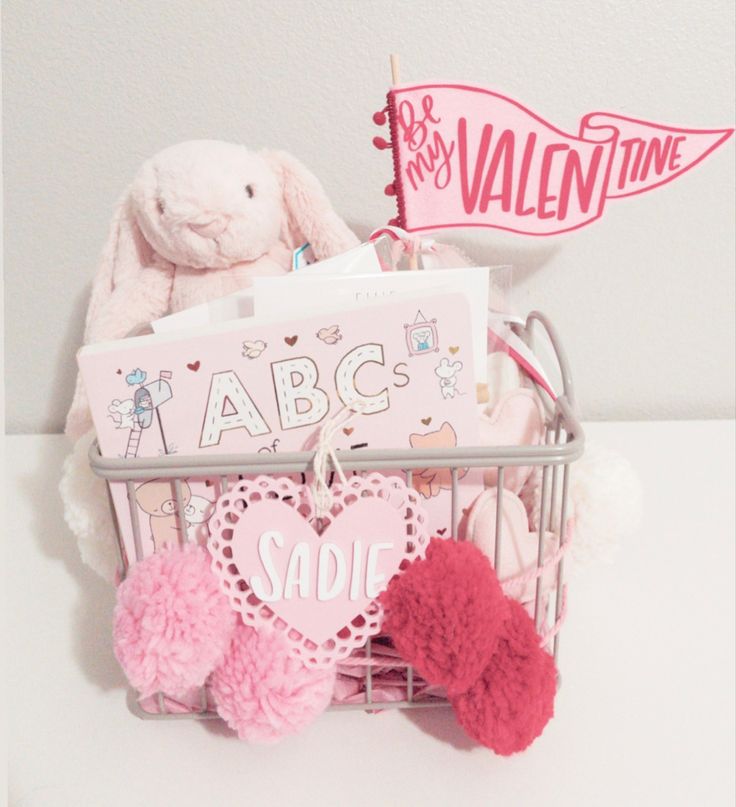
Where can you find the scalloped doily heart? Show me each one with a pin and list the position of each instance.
(318, 580)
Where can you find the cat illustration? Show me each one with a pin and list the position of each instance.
(428, 482)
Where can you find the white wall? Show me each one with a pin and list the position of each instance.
(644, 299)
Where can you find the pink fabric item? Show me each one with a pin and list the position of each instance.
(199, 221)
(263, 692)
(186, 703)
(519, 546)
(389, 677)
(172, 624)
(444, 614)
(511, 702)
(516, 420)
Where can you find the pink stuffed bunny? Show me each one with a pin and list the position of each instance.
(201, 219)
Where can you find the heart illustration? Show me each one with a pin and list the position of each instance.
(193, 366)
(290, 340)
(119, 372)
(426, 421)
(454, 349)
(516, 420)
(519, 546)
(442, 531)
(348, 430)
(318, 580)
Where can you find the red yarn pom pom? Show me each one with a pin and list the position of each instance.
(444, 614)
(511, 703)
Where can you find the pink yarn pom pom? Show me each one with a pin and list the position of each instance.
(444, 614)
(511, 703)
(172, 624)
(263, 692)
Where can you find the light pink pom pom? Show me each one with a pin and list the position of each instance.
(172, 624)
(263, 692)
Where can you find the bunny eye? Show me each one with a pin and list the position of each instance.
(160, 206)
(249, 191)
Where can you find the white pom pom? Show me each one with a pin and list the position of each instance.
(606, 501)
(87, 512)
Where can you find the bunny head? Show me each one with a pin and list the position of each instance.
(200, 205)
(208, 204)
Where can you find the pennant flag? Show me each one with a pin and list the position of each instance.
(465, 156)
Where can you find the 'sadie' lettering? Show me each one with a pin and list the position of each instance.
(334, 573)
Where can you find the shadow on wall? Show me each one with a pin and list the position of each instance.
(526, 258)
(92, 624)
(440, 722)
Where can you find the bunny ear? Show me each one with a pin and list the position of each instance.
(125, 252)
(310, 215)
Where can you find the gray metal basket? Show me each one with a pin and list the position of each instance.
(563, 444)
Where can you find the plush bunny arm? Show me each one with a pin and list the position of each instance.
(135, 301)
(311, 217)
(78, 418)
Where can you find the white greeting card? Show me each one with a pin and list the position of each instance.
(363, 259)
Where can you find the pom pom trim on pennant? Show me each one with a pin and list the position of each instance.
(379, 118)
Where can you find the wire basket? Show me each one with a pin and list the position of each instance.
(376, 662)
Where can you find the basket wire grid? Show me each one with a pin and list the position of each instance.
(563, 444)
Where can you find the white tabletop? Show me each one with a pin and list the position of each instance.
(645, 715)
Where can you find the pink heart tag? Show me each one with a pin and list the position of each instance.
(516, 420)
(318, 580)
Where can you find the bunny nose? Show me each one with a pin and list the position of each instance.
(210, 229)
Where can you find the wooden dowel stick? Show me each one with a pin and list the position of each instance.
(394, 68)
